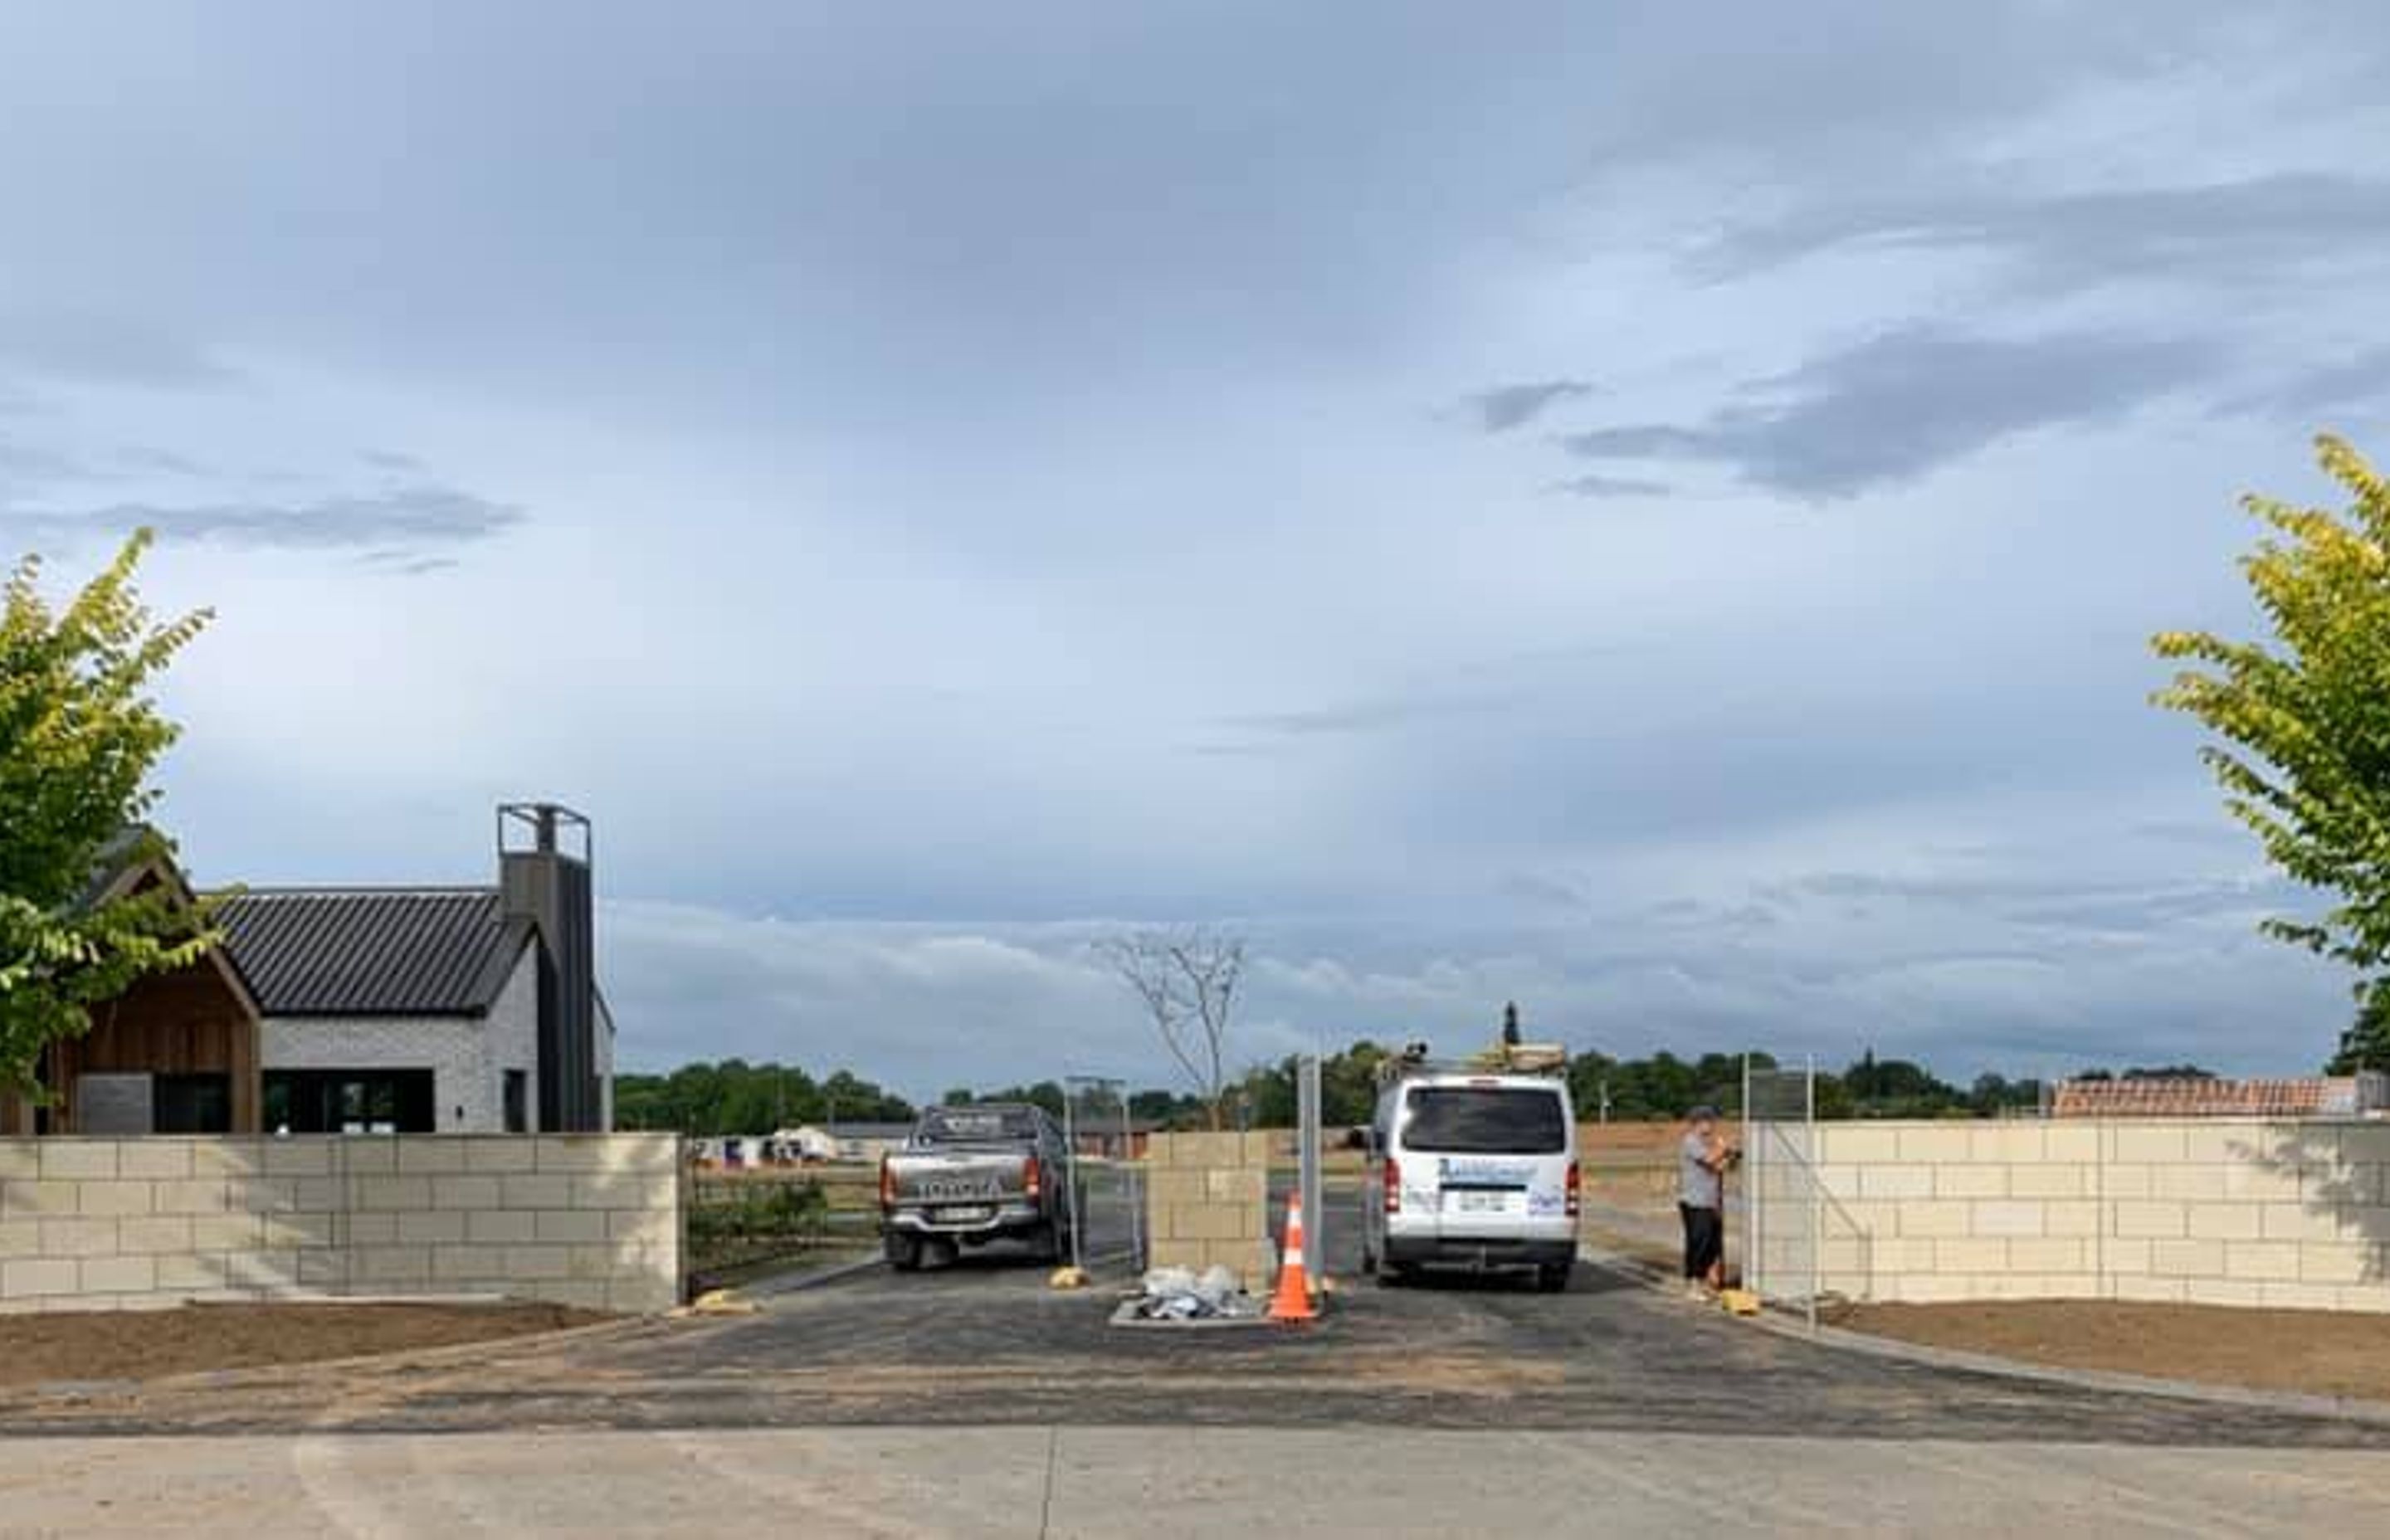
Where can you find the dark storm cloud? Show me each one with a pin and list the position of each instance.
(2256, 230)
(408, 520)
(1898, 406)
(1508, 406)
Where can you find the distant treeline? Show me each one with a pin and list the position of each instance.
(735, 1097)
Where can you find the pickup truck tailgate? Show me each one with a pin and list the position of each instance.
(939, 1178)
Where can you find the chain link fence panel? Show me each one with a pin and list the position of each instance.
(1109, 1172)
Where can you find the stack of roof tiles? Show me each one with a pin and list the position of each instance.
(2307, 1097)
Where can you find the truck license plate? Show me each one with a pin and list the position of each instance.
(965, 1214)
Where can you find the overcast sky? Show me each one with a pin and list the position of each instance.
(1650, 510)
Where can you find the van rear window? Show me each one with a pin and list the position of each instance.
(1474, 1119)
(975, 1126)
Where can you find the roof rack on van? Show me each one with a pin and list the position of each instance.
(1511, 1058)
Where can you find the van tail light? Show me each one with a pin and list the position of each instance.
(1393, 1186)
(1575, 1189)
(887, 1186)
(1033, 1179)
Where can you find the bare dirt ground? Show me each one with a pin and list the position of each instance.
(2318, 1351)
(145, 1345)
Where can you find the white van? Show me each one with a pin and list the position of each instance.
(1473, 1170)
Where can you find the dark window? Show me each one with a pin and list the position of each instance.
(517, 1102)
(1456, 1120)
(350, 1101)
(977, 1124)
(190, 1104)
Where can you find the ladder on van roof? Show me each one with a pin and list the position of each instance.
(1502, 1059)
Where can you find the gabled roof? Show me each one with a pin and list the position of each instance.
(138, 859)
(373, 951)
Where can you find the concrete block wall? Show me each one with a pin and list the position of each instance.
(592, 1220)
(2203, 1210)
(1205, 1201)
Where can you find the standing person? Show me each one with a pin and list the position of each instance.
(1703, 1157)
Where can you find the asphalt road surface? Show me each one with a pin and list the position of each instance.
(972, 1401)
(985, 1342)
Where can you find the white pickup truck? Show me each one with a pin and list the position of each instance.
(969, 1174)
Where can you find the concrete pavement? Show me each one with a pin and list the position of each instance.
(1158, 1484)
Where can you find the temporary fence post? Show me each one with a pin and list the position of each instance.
(1817, 1191)
(1132, 1165)
(1071, 1143)
(1752, 1156)
(1308, 1132)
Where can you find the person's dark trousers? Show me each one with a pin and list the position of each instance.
(1704, 1239)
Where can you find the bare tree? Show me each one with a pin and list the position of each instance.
(1188, 981)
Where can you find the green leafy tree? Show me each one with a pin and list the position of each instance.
(2305, 723)
(79, 739)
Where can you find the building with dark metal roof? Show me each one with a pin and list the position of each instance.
(373, 951)
(454, 1009)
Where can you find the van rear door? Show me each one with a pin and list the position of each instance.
(1495, 1148)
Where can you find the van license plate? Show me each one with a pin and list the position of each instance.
(1484, 1202)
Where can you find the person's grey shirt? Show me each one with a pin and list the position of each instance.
(1697, 1186)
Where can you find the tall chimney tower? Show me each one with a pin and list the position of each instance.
(544, 859)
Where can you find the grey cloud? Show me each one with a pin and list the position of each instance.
(409, 520)
(2361, 382)
(2036, 902)
(149, 459)
(1540, 891)
(82, 348)
(402, 564)
(2256, 229)
(1600, 486)
(25, 464)
(1508, 406)
(390, 459)
(1386, 714)
(1895, 407)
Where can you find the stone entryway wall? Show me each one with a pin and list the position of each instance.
(2206, 1211)
(592, 1220)
(1205, 1198)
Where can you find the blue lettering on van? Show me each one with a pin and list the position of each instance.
(1450, 1169)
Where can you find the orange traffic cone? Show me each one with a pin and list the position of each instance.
(1293, 1300)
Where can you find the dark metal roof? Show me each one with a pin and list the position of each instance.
(372, 951)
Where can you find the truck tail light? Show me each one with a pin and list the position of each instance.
(1033, 1179)
(1393, 1186)
(887, 1185)
(1575, 1189)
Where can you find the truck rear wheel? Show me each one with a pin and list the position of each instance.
(903, 1253)
(1553, 1277)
